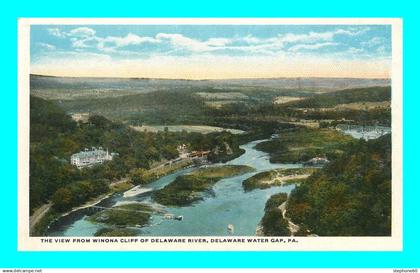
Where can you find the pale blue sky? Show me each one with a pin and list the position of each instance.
(180, 50)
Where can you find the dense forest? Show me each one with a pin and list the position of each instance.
(317, 107)
(351, 196)
(54, 137)
(273, 222)
(240, 108)
(298, 145)
(160, 107)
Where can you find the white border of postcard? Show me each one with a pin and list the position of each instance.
(28, 243)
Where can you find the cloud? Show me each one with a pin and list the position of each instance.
(381, 50)
(129, 39)
(79, 37)
(307, 38)
(311, 46)
(352, 31)
(131, 54)
(46, 46)
(183, 42)
(250, 39)
(81, 32)
(56, 32)
(305, 41)
(86, 38)
(374, 42)
(354, 51)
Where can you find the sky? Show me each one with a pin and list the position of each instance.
(211, 51)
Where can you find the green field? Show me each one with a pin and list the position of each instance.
(202, 129)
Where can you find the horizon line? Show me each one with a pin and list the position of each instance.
(208, 79)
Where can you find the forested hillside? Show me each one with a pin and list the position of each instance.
(349, 197)
(54, 137)
(370, 94)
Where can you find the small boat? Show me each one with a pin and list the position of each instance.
(179, 218)
(230, 228)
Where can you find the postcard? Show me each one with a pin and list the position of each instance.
(210, 134)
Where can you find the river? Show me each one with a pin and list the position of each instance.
(230, 204)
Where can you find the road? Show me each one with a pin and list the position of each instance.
(38, 214)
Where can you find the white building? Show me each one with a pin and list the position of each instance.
(182, 151)
(89, 158)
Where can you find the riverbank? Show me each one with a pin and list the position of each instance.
(90, 203)
(42, 223)
(45, 215)
(225, 203)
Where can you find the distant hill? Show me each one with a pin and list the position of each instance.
(146, 85)
(371, 94)
(160, 107)
(166, 101)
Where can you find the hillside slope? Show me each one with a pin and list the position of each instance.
(349, 197)
(371, 94)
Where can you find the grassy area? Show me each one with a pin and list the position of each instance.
(286, 99)
(202, 129)
(276, 177)
(193, 187)
(121, 187)
(222, 95)
(115, 232)
(124, 215)
(364, 105)
(301, 144)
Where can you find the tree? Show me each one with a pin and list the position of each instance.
(138, 176)
(274, 224)
(62, 199)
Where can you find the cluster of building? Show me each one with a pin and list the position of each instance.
(88, 158)
(94, 156)
(185, 153)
